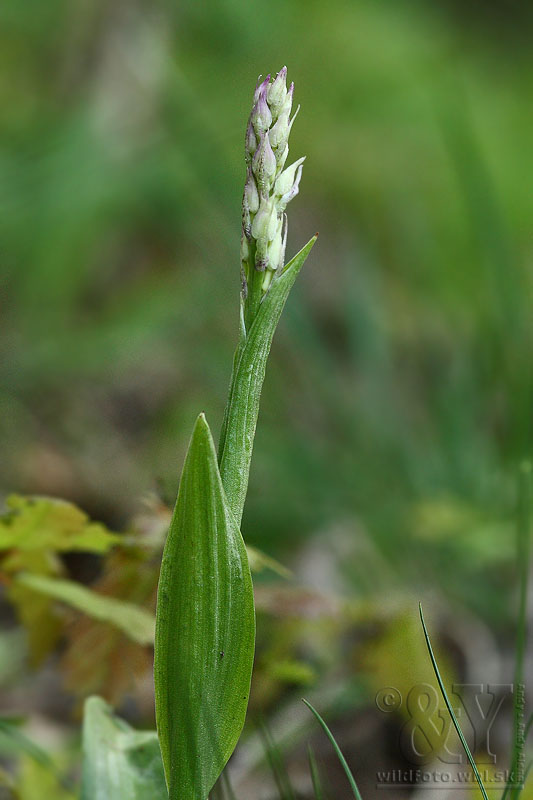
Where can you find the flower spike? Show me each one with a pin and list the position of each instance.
(269, 187)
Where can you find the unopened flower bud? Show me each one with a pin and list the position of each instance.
(281, 157)
(250, 143)
(262, 220)
(260, 87)
(251, 195)
(277, 92)
(264, 164)
(285, 130)
(279, 132)
(287, 103)
(261, 116)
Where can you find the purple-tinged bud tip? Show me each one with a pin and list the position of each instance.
(261, 116)
(261, 86)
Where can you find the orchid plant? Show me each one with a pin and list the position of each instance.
(205, 621)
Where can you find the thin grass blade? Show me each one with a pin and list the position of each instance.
(338, 751)
(10, 729)
(277, 766)
(450, 709)
(315, 775)
(523, 546)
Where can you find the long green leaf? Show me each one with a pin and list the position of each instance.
(136, 622)
(119, 762)
(338, 751)
(449, 707)
(240, 418)
(205, 629)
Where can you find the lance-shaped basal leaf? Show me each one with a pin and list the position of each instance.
(118, 761)
(205, 629)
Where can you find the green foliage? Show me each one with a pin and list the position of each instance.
(118, 762)
(135, 622)
(34, 531)
(37, 782)
(44, 523)
(205, 629)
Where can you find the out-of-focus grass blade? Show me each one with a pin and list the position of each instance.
(529, 723)
(10, 729)
(526, 774)
(229, 794)
(119, 762)
(315, 775)
(338, 751)
(38, 764)
(523, 540)
(7, 782)
(276, 765)
(260, 561)
(449, 707)
(205, 629)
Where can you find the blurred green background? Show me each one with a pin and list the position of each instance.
(398, 398)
